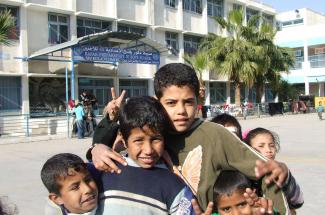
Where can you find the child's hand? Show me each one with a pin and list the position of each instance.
(261, 206)
(197, 209)
(276, 172)
(113, 106)
(103, 158)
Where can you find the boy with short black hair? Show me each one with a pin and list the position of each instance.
(70, 185)
(145, 185)
(231, 193)
(200, 149)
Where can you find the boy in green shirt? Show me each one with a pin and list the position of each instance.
(199, 149)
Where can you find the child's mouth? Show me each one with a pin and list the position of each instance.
(91, 199)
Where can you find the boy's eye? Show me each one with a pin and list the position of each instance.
(243, 204)
(189, 102)
(75, 187)
(170, 103)
(226, 209)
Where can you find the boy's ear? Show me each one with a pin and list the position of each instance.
(56, 199)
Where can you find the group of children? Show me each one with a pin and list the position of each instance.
(163, 137)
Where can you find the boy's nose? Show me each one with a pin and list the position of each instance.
(86, 188)
(147, 148)
(180, 109)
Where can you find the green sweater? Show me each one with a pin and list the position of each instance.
(221, 150)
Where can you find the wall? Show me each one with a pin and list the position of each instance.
(135, 10)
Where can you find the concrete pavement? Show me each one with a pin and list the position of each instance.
(302, 148)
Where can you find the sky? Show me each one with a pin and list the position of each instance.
(286, 5)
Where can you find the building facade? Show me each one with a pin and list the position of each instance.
(303, 30)
(39, 86)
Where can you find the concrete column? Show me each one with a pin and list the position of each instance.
(228, 92)
(306, 67)
(23, 51)
(24, 94)
(151, 90)
(263, 95)
(321, 89)
(180, 14)
(181, 47)
(205, 15)
(306, 71)
(207, 92)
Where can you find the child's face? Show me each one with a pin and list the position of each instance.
(264, 144)
(145, 147)
(235, 204)
(180, 104)
(78, 192)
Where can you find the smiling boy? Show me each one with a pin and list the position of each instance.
(145, 185)
(70, 184)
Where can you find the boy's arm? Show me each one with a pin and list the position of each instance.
(182, 203)
(293, 193)
(243, 158)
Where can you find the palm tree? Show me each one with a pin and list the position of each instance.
(272, 61)
(235, 56)
(199, 62)
(7, 24)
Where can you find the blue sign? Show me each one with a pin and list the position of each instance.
(113, 55)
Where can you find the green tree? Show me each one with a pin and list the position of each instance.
(235, 56)
(272, 59)
(199, 62)
(286, 91)
(7, 24)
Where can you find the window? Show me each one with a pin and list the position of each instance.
(191, 44)
(218, 92)
(215, 8)
(90, 26)
(320, 50)
(134, 87)
(278, 26)
(131, 29)
(14, 11)
(58, 28)
(298, 53)
(250, 13)
(193, 6)
(171, 3)
(268, 19)
(10, 93)
(237, 7)
(97, 87)
(292, 22)
(172, 40)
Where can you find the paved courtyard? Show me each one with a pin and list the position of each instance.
(302, 148)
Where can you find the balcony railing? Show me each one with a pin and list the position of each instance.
(317, 61)
(298, 63)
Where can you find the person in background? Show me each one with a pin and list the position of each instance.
(320, 110)
(80, 120)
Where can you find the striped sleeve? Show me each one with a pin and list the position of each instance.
(293, 193)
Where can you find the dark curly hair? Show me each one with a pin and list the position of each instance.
(177, 74)
(142, 111)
